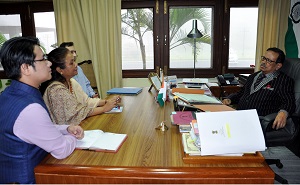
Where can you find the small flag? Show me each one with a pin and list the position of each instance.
(161, 97)
(292, 37)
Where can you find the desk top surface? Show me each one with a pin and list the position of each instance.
(145, 146)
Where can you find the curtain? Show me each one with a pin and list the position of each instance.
(95, 28)
(272, 26)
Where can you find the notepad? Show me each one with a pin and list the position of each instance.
(125, 91)
(116, 109)
(101, 141)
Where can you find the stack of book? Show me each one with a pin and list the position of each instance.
(191, 140)
(183, 120)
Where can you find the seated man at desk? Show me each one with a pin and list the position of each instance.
(268, 91)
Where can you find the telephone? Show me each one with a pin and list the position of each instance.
(227, 79)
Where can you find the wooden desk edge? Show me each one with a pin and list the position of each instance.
(105, 174)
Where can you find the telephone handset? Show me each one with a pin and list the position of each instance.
(227, 79)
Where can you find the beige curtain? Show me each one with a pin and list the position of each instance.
(95, 28)
(272, 26)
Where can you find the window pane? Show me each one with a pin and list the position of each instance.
(10, 26)
(181, 47)
(137, 39)
(46, 30)
(242, 44)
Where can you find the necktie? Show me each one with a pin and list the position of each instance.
(259, 79)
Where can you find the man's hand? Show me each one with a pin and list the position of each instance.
(280, 121)
(226, 101)
(95, 95)
(76, 131)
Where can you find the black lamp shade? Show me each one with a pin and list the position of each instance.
(194, 33)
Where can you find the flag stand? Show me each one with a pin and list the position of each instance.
(162, 126)
(161, 98)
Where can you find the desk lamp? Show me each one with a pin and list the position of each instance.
(194, 34)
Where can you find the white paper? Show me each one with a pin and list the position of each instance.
(99, 140)
(89, 137)
(195, 80)
(230, 132)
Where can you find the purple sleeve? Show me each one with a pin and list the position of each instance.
(34, 126)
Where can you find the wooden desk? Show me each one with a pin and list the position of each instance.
(147, 156)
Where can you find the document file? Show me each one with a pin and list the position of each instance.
(230, 132)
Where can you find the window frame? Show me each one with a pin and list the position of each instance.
(26, 11)
(226, 26)
(221, 30)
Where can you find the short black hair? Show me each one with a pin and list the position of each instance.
(281, 55)
(66, 44)
(15, 52)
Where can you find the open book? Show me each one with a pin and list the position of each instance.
(101, 141)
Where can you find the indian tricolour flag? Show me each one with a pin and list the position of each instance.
(292, 37)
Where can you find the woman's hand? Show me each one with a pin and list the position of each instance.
(116, 99)
(110, 104)
(76, 131)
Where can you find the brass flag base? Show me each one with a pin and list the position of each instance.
(162, 126)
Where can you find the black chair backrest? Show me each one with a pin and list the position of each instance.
(291, 67)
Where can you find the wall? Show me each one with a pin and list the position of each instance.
(136, 82)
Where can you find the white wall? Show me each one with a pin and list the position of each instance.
(136, 82)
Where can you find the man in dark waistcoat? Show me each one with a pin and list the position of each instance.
(27, 133)
(268, 90)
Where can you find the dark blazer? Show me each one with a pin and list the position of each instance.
(270, 97)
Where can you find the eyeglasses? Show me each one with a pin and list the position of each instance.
(266, 59)
(45, 57)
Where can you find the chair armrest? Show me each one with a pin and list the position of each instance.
(268, 118)
(282, 136)
(267, 121)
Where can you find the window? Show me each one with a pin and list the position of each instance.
(242, 43)
(137, 32)
(46, 30)
(10, 26)
(18, 19)
(218, 51)
(182, 48)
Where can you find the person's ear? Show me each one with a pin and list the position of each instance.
(25, 70)
(59, 70)
(278, 66)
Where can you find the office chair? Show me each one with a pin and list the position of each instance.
(88, 70)
(287, 135)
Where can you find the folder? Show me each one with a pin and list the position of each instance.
(197, 98)
(125, 91)
(213, 107)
